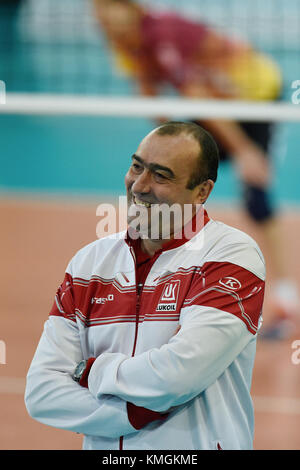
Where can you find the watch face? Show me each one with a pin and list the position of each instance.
(79, 370)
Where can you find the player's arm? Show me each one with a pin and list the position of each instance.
(146, 86)
(54, 398)
(251, 163)
(215, 328)
(216, 50)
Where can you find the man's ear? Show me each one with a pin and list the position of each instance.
(205, 189)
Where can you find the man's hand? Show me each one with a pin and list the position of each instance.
(177, 330)
(253, 166)
(138, 416)
(251, 162)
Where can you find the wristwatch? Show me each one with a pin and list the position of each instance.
(79, 370)
(82, 370)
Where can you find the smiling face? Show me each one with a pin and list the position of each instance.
(160, 172)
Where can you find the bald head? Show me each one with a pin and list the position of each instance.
(208, 154)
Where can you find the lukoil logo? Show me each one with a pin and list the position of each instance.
(169, 297)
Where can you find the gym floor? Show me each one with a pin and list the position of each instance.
(38, 240)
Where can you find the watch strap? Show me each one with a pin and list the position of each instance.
(84, 378)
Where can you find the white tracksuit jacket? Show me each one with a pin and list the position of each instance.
(212, 286)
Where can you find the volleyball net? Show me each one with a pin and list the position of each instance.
(58, 46)
(171, 107)
(55, 61)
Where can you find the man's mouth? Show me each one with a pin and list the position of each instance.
(139, 202)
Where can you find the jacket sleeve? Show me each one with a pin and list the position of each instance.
(52, 396)
(218, 321)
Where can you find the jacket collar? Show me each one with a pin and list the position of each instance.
(191, 229)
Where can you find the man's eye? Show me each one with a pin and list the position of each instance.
(136, 167)
(160, 176)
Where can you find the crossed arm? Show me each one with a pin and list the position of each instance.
(167, 376)
(53, 398)
(212, 334)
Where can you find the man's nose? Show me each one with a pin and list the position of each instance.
(142, 182)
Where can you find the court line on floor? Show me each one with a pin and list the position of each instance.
(262, 404)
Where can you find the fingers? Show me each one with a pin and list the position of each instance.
(254, 168)
(177, 330)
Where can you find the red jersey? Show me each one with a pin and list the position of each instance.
(168, 45)
(172, 49)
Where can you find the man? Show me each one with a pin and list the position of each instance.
(166, 327)
(159, 48)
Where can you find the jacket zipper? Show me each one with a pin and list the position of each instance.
(139, 289)
(137, 314)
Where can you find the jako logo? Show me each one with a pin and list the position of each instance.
(102, 300)
(168, 300)
(230, 283)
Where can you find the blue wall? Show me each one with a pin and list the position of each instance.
(91, 155)
(42, 52)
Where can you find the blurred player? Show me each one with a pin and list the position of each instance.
(158, 49)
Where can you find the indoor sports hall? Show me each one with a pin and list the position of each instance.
(70, 119)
